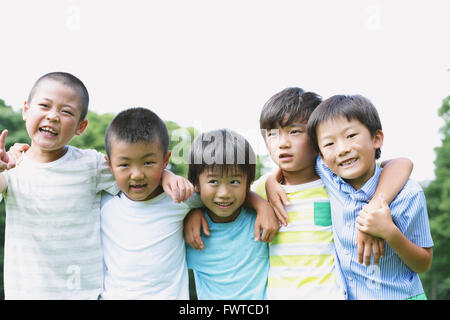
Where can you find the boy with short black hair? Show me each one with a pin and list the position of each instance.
(347, 132)
(142, 228)
(232, 266)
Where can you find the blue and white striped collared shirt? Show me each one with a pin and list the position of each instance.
(391, 279)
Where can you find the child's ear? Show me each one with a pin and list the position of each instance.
(109, 163)
(197, 188)
(166, 160)
(378, 138)
(81, 127)
(26, 107)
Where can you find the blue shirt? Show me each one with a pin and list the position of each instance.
(232, 265)
(391, 279)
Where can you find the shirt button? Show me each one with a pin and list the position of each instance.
(350, 278)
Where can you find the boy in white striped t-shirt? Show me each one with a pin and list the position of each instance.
(303, 263)
(52, 236)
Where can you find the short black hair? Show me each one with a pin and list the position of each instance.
(293, 102)
(223, 149)
(68, 80)
(349, 106)
(137, 125)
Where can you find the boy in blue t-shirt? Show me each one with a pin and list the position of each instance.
(232, 265)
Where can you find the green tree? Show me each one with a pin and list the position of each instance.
(437, 280)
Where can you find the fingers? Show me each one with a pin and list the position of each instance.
(181, 190)
(381, 246)
(257, 232)
(3, 140)
(360, 251)
(193, 238)
(367, 254)
(376, 253)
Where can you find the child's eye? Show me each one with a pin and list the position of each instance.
(67, 112)
(351, 135)
(43, 105)
(148, 163)
(123, 165)
(213, 182)
(294, 131)
(329, 144)
(235, 182)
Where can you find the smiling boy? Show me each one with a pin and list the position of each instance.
(142, 228)
(347, 132)
(231, 266)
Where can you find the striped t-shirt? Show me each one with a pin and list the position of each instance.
(52, 236)
(302, 255)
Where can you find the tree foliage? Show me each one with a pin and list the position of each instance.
(437, 280)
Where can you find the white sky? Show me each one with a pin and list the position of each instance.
(213, 64)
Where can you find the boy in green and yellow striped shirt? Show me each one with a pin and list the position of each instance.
(302, 260)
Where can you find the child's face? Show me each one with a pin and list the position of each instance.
(137, 168)
(348, 149)
(290, 147)
(222, 193)
(53, 116)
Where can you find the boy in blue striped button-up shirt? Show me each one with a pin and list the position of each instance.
(347, 132)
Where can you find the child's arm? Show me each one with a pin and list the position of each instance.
(392, 179)
(277, 197)
(266, 219)
(176, 187)
(379, 224)
(193, 221)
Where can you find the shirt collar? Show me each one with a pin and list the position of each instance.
(365, 193)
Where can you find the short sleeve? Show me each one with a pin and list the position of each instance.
(411, 217)
(259, 186)
(105, 179)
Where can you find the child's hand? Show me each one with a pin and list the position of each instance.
(6, 162)
(193, 222)
(176, 187)
(277, 198)
(376, 222)
(367, 245)
(266, 221)
(16, 152)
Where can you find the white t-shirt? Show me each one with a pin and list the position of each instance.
(143, 248)
(52, 236)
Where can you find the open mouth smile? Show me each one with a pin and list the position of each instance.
(223, 205)
(48, 131)
(348, 163)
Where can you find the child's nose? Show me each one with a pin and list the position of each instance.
(283, 141)
(137, 174)
(223, 191)
(343, 148)
(52, 115)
